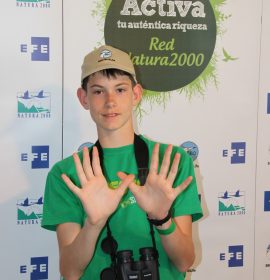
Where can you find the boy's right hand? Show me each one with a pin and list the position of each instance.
(99, 201)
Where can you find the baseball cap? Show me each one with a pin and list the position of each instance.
(106, 57)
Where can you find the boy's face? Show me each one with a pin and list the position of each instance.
(110, 101)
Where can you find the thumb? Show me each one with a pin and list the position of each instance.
(70, 185)
(132, 186)
(184, 185)
(126, 180)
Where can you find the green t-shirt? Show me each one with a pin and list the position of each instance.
(128, 223)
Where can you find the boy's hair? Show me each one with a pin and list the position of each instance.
(110, 73)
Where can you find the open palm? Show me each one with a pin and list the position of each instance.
(99, 201)
(157, 195)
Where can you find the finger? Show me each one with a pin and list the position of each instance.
(96, 162)
(154, 160)
(184, 185)
(121, 175)
(174, 168)
(132, 186)
(79, 169)
(126, 181)
(166, 162)
(86, 164)
(70, 185)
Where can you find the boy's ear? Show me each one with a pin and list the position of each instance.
(137, 94)
(82, 96)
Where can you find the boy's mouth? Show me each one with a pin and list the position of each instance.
(110, 115)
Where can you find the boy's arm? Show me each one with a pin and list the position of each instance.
(179, 244)
(156, 198)
(76, 247)
(76, 244)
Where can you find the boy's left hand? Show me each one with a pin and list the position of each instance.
(157, 195)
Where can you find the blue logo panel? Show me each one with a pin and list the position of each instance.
(236, 256)
(40, 49)
(39, 268)
(267, 201)
(238, 152)
(40, 157)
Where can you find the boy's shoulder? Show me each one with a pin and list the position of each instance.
(163, 146)
(65, 165)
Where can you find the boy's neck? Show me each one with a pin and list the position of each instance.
(116, 139)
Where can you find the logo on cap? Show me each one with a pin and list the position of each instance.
(105, 54)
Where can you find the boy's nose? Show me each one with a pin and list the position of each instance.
(110, 99)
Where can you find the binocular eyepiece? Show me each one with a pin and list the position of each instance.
(146, 254)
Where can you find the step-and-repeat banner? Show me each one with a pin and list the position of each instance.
(204, 67)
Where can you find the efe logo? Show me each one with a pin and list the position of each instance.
(38, 268)
(235, 256)
(237, 152)
(39, 157)
(39, 48)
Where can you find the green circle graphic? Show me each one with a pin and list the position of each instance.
(170, 42)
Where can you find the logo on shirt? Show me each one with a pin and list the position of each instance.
(34, 105)
(237, 153)
(29, 211)
(191, 148)
(39, 157)
(39, 48)
(231, 203)
(37, 269)
(33, 3)
(267, 201)
(234, 256)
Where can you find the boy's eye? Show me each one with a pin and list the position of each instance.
(120, 90)
(97, 91)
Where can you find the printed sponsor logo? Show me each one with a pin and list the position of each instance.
(231, 203)
(29, 211)
(234, 256)
(237, 153)
(37, 269)
(267, 201)
(39, 48)
(39, 157)
(170, 42)
(191, 148)
(34, 105)
(33, 3)
(86, 144)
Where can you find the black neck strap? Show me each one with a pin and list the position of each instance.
(142, 160)
(141, 155)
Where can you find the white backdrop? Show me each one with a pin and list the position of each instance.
(43, 44)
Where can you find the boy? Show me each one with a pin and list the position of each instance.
(99, 204)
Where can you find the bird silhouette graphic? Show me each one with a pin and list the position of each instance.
(227, 56)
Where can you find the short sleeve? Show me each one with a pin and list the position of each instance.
(60, 204)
